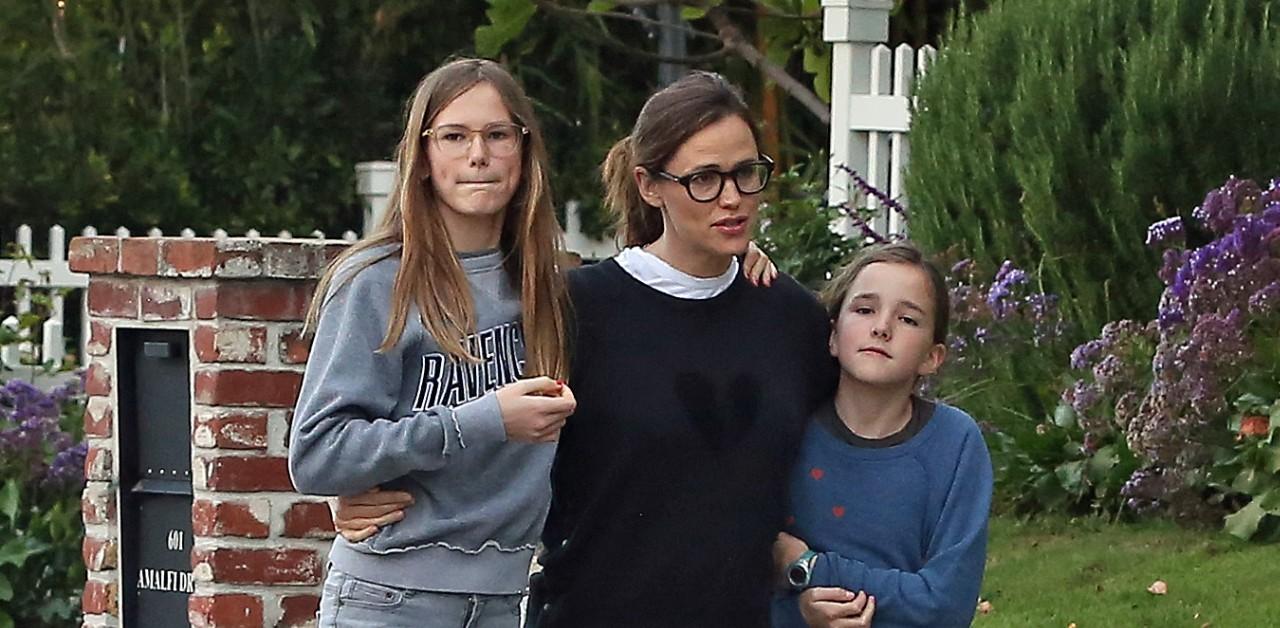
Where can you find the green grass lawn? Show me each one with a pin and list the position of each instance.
(1055, 572)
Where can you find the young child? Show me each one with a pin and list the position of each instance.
(891, 493)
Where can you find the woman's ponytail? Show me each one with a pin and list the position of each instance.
(638, 222)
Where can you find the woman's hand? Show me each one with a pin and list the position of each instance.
(757, 266)
(358, 517)
(534, 409)
(833, 607)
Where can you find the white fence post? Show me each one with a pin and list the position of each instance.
(375, 182)
(853, 28)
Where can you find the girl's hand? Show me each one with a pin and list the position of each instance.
(534, 409)
(757, 266)
(833, 607)
(358, 517)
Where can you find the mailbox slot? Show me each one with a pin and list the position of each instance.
(155, 476)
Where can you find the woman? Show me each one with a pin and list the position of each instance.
(692, 386)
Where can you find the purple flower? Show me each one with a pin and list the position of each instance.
(1266, 300)
(1164, 231)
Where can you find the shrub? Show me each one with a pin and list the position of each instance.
(1193, 392)
(1052, 132)
(41, 476)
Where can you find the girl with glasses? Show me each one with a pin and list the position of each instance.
(439, 339)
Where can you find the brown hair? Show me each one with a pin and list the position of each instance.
(669, 118)
(901, 252)
(430, 276)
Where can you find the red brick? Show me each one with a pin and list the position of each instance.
(94, 254)
(294, 348)
(100, 597)
(224, 609)
(98, 504)
(97, 464)
(209, 518)
(247, 474)
(99, 338)
(113, 297)
(166, 303)
(309, 520)
(230, 565)
(188, 257)
(231, 343)
(231, 430)
(139, 256)
(98, 417)
(269, 389)
(265, 300)
(206, 302)
(299, 610)
(98, 553)
(97, 381)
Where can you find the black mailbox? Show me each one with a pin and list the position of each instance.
(155, 476)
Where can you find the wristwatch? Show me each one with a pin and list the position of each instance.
(800, 570)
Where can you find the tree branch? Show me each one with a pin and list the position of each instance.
(733, 39)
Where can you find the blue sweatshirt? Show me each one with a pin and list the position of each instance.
(413, 419)
(907, 523)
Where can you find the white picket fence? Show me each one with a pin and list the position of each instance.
(53, 275)
(871, 104)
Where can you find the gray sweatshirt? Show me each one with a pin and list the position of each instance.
(413, 419)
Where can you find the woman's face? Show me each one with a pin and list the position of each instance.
(706, 232)
(472, 176)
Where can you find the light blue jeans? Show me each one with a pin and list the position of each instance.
(349, 602)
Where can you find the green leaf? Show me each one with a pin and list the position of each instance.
(1244, 523)
(16, 551)
(818, 63)
(9, 499)
(693, 13)
(1064, 416)
(1071, 475)
(507, 19)
(601, 6)
(5, 620)
(1270, 501)
(6, 589)
(1102, 462)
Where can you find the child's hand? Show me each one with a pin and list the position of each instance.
(832, 607)
(757, 266)
(785, 551)
(358, 517)
(534, 409)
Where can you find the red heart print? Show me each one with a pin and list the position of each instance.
(791, 521)
(816, 473)
(838, 511)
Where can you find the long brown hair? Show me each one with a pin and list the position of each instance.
(669, 118)
(430, 275)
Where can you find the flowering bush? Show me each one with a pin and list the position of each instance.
(41, 476)
(1167, 386)
(1005, 366)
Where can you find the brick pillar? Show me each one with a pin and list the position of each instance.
(259, 548)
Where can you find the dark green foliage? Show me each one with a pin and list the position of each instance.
(234, 115)
(1053, 132)
(796, 230)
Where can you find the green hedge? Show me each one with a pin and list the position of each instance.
(1053, 132)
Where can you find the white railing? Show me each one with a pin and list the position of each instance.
(871, 103)
(53, 274)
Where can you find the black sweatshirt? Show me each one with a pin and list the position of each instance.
(667, 487)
